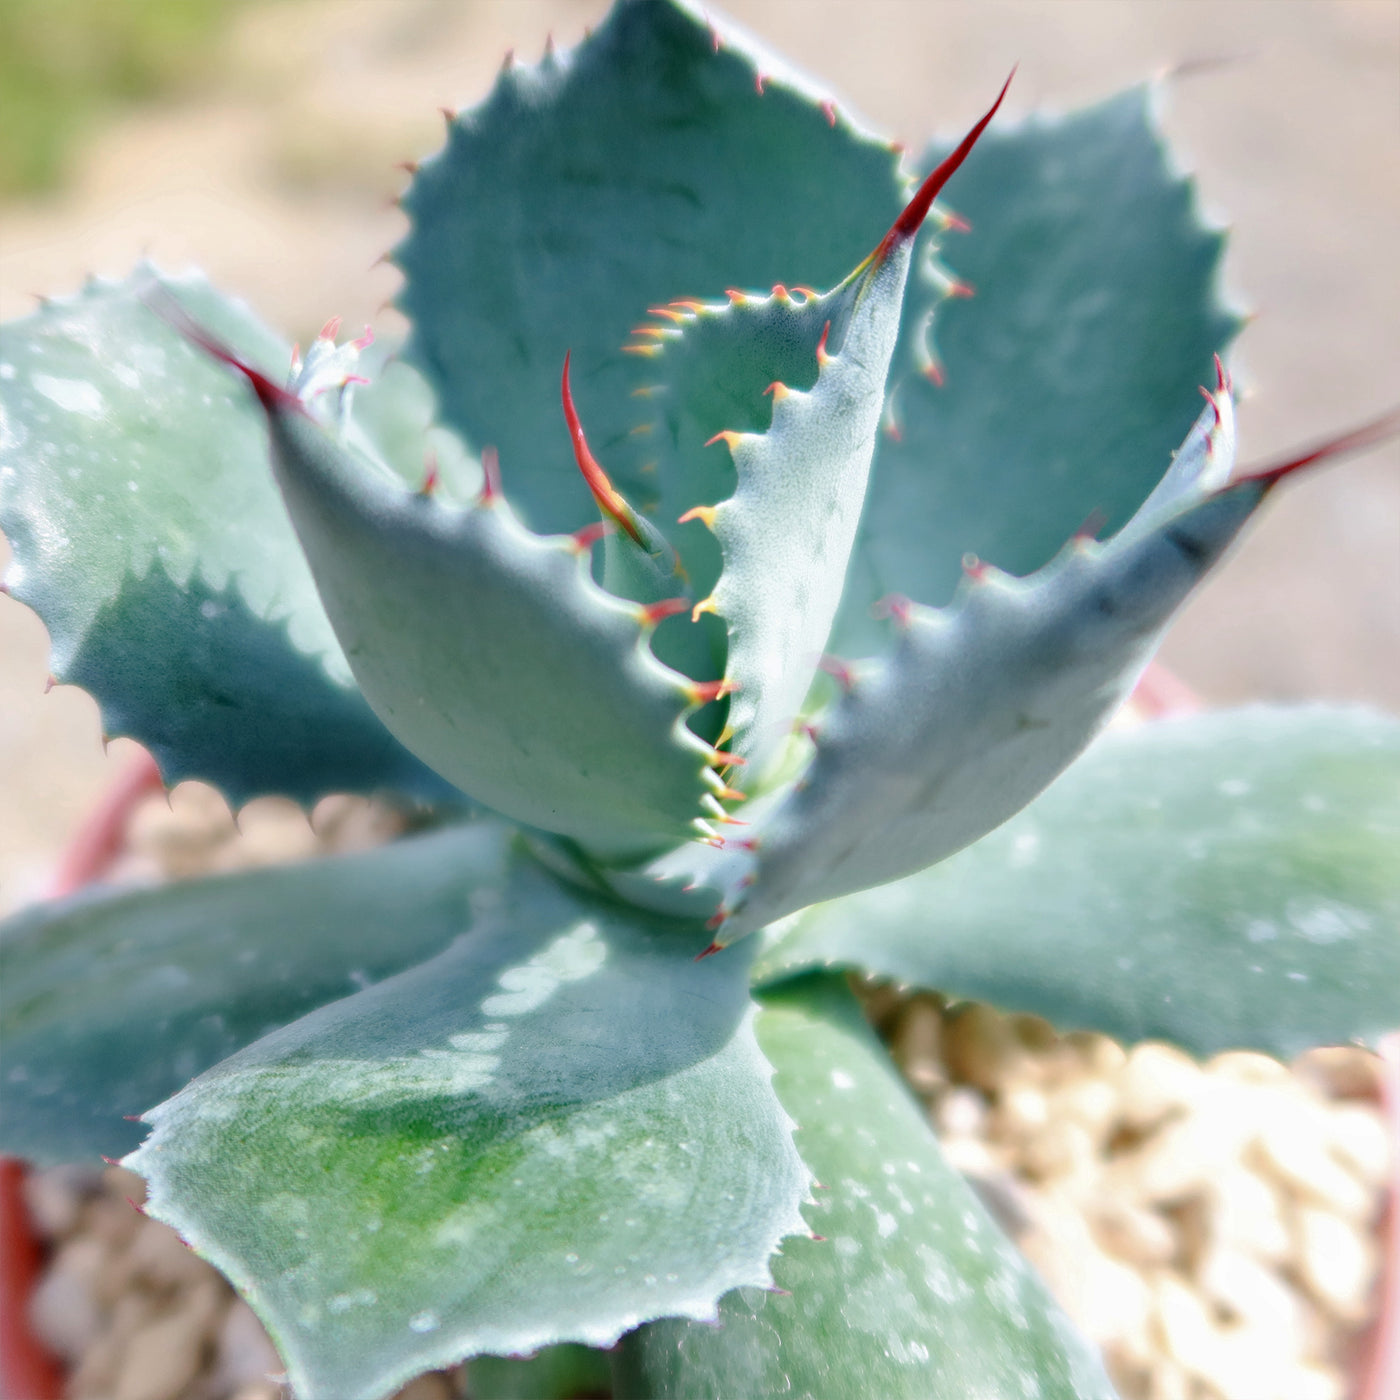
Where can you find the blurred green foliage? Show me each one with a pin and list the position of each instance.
(64, 64)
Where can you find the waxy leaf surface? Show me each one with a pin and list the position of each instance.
(149, 537)
(786, 530)
(490, 652)
(1224, 880)
(1069, 376)
(914, 1294)
(559, 1128)
(981, 704)
(111, 1002)
(641, 167)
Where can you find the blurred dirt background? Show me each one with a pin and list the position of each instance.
(272, 165)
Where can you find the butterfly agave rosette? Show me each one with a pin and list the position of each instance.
(579, 556)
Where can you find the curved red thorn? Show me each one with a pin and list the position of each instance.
(610, 502)
(431, 479)
(1368, 435)
(724, 759)
(780, 292)
(735, 295)
(916, 211)
(703, 692)
(829, 111)
(330, 330)
(1093, 523)
(896, 607)
(839, 671)
(893, 431)
(823, 354)
(271, 396)
(409, 167)
(811, 293)
(591, 534)
(714, 36)
(365, 341)
(1210, 399)
(714, 947)
(974, 568)
(448, 115)
(727, 436)
(958, 288)
(957, 223)
(1222, 378)
(934, 374)
(490, 476)
(652, 613)
(758, 81)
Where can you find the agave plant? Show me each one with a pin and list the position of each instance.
(570, 571)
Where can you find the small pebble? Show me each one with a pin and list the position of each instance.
(916, 1045)
(1156, 1081)
(163, 1357)
(1356, 1135)
(962, 1112)
(1062, 1148)
(63, 1308)
(1023, 1111)
(978, 1046)
(1338, 1263)
(1245, 1210)
(1188, 1330)
(95, 1376)
(260, 1390)
(1293, 1147)
(1203, 1140)
(1341, 1072)
(1131, 1233)
(1254, 1294)
(245, 1354)
(157, 1259)
(1089, 1101)
(54, 1198)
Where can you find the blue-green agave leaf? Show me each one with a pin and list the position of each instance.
(1058, 389)
(982, 704)
(149, 538)
(556, 1130)
(665, 157)
(110, 1003)
(913, 1294)
(785, 534)
(1223, 881)
(489, 651)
